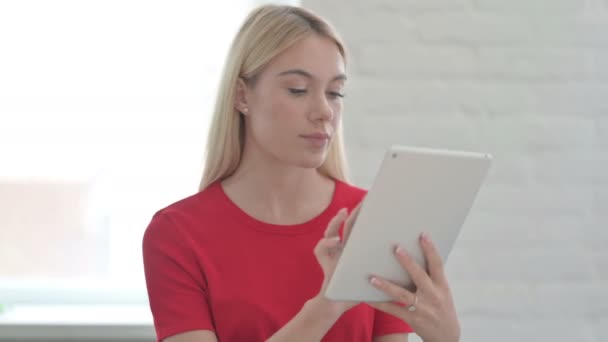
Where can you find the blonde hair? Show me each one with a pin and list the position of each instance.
(266, 32)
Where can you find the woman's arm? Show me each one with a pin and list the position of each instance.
(392, 338)
(193, 336)
(313, 321)
(317, 316)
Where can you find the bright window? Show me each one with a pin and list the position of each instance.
(104, 110)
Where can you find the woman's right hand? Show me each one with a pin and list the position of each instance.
(329, 249)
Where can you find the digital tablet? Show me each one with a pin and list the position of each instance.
(416, 190)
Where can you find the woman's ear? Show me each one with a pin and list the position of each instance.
(240, 97)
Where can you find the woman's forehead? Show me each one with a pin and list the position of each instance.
(313, 57)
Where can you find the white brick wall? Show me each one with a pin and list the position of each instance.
(526, 80)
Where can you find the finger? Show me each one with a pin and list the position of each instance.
(334, 225)
(326, 244)
(400, 294)
(416, 272)
(434, 260)
(326, 247)
(350, 221)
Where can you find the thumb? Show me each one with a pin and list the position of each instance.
(334, 225)
(350, 221)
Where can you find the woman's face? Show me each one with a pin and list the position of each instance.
(295, 104)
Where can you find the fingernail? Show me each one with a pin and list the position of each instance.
(424, 236)
(401, 251)
(375, 281)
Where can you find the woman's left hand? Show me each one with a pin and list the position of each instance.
(430, 311)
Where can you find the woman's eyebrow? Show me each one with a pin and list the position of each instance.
(306, 74)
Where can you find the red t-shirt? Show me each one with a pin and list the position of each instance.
(210, 266)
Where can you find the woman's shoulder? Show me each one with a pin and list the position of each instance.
(348, 192)
(190, 209)
(199, 200)
(207, 197)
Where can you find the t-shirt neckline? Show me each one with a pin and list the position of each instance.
(317, 222)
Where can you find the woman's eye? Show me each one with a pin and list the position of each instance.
(297, 91)
(335, 94)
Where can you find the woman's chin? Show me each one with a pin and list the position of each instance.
(312, 161)
(306, 159)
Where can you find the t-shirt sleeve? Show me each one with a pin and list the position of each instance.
(385, 324)
(177, 290)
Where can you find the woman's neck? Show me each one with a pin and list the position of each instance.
(277, 193)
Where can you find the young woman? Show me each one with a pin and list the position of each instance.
(248, 257)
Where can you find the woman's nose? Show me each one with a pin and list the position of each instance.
(323, 110)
